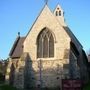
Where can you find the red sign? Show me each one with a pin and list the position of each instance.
(68, 84)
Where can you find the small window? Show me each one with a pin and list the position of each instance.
(59, 13)
(56, 13)
(58, 8)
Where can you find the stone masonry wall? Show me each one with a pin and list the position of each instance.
(61, 45)
(47, 73)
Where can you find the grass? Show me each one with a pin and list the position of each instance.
(87, 86)
(7, 87)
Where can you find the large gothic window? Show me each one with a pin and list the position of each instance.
(45, 44)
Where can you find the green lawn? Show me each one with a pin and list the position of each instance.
(7, 87)
(87, 87)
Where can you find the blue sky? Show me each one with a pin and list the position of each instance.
(19, 15)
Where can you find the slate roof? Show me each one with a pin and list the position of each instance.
(73, 38)
(17, 48)
(89, 58)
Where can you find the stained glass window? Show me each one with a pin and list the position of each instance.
(45, 44)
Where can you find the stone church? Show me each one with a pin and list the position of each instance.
(48, 53)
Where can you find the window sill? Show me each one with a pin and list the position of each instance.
(53, 58)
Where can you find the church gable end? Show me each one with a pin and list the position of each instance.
(46, 19)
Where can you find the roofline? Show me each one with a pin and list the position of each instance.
(86, 59)
(73, 35)
(56, 7)
(37, 19)
(14, 45)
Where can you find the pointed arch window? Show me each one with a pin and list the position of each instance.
(45, 44)
(59, 13)
(56, 13)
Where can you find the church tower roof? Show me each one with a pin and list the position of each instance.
(58, 7)
(59, 14)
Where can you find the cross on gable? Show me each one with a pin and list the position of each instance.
(46, 2)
